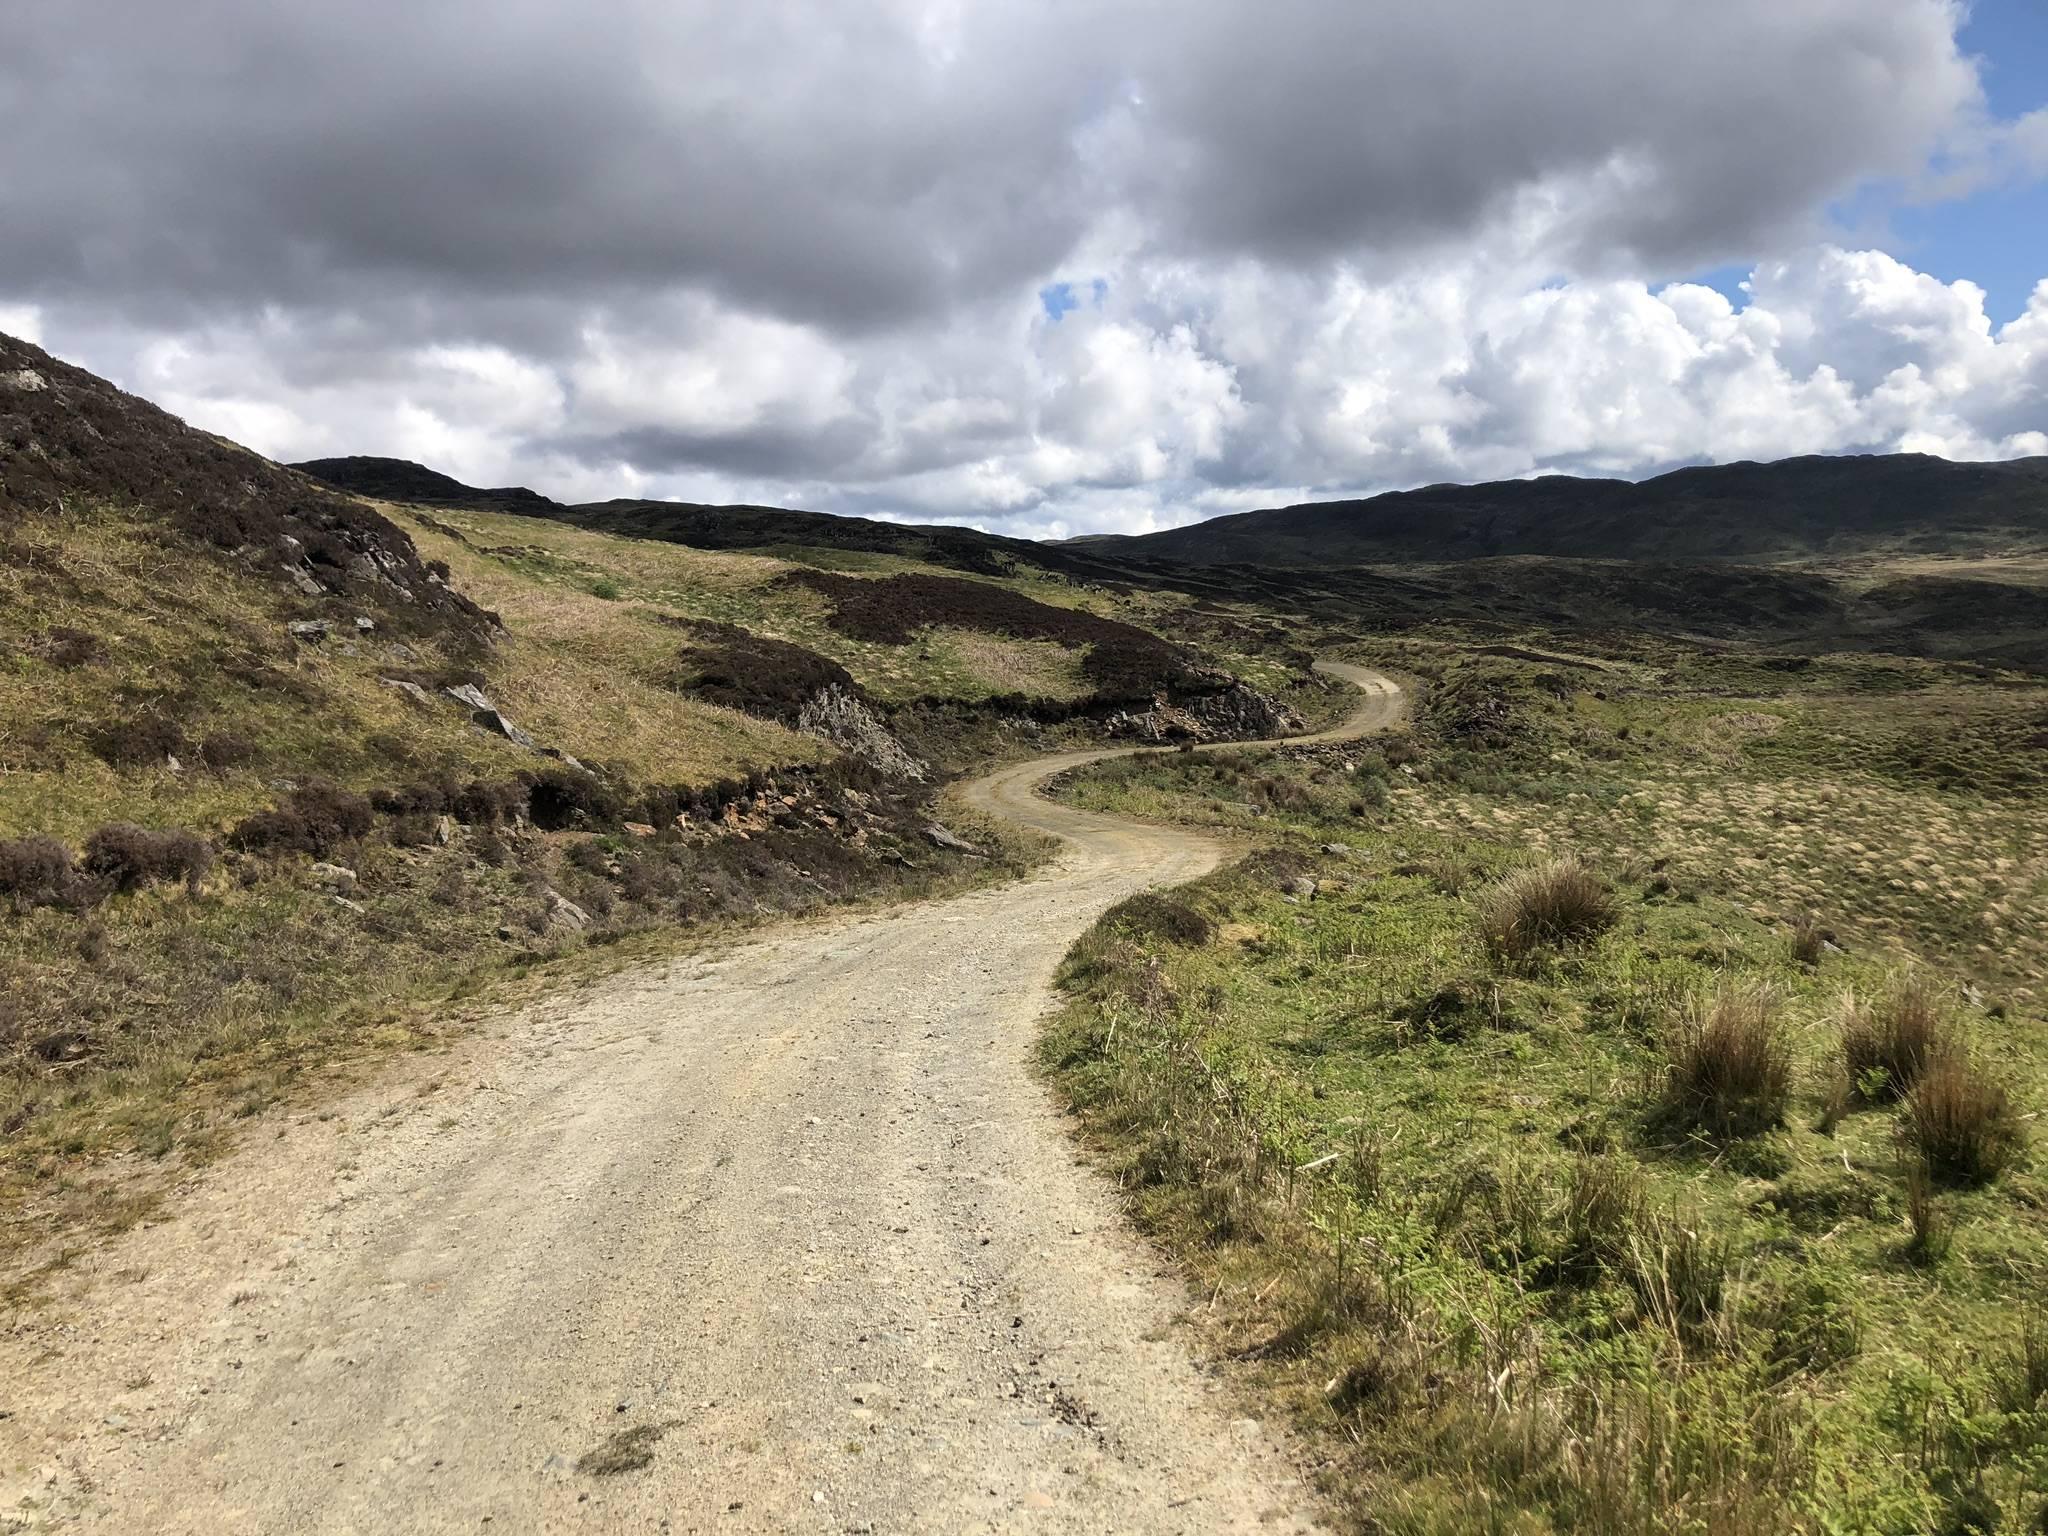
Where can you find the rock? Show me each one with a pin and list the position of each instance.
(1339, 850)
(940, 837)
(311, 629)
(491, 720)
(336, 877)
(841, 717)
(345, 903)
(302, 579)
(639, 829)
(444, 830)
(563, 913)
(412, 691)
(1300, 886)
(364, 625)
(27, 380)
(171, 762)
(473, 696)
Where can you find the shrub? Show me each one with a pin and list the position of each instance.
(139, 741)
(1169, 919)
(481, 803)
(1549, 906)
(560, 798)
(316, 818)
(1728, 1066)
(125, 857)
(606, 588)
(1961, 1120)
(1889, 1041)
(756, 674)
(223, 750)
(36, 872)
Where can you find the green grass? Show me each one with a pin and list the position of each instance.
(1484, 1224)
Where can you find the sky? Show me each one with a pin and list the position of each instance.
(1047, 268)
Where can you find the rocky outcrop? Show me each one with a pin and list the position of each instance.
(1236, 713)
(844, 719)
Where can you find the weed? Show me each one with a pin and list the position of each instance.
(1728, 1064)
(1547, 907)
(1888, 1041)
(1961, 1120)
(1933, 1226)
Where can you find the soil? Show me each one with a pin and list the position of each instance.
(784, 1238)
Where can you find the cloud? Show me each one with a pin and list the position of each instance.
(796, 252)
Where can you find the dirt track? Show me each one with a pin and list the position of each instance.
(790, 1227)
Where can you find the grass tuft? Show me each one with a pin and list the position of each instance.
(1547, 907)
(1728, 1065)
(1961, 1121)
(1888, 1040)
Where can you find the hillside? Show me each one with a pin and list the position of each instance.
(1814, 508)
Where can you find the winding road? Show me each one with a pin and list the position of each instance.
(782, 1238)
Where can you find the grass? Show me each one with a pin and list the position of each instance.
(1594, 1235)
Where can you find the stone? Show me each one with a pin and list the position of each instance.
(411, 690)
(27, 380)
(302, 579)
(639, 829)
(1300, 886)
(473, 696)
(491, 720)
(444, 830)
(1338, 850)
(311, 629)
(347, 905)
(336, 877)
(364, 624)
(940, 837)
(563, 913)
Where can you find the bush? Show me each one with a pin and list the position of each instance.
(481, 803)
(1547, 907)
(1961, 1120)
(316, 818)
(37, 872)
(1888, 1042)
(142, 741)
(758, 675)
(1168, 919)
(1728, 1066)
(125, 857)
(560, 798)
(223, 750)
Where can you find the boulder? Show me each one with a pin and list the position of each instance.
(1300, 887)
(314, 630)
(942, 838)
(562, 913)
(412, 691)
(473, 696)
(336, 877)
(491, 720)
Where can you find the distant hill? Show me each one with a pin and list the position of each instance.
(415, 484)
(703, 526)
(1825, 508)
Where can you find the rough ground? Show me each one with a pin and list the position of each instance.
(786, 1238)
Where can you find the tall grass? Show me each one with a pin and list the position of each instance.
(1961, 1121)
(1728, 1065)
(1548, 906)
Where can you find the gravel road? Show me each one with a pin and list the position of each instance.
(782, 1238)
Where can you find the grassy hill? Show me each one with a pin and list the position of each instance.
(1816, 508)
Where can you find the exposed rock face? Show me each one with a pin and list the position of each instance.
(840, 717)
(1236, 713)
